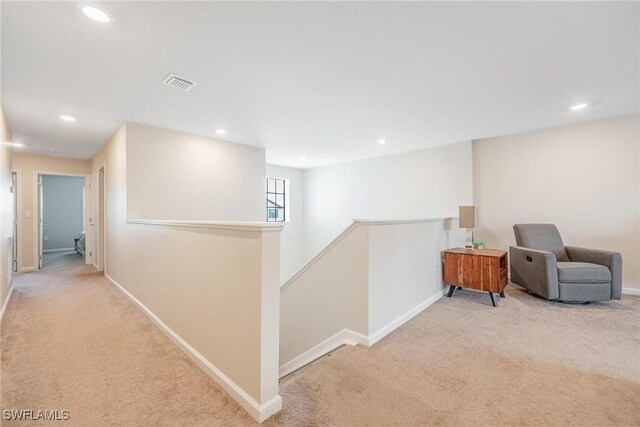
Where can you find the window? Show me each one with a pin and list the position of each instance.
(277, 200)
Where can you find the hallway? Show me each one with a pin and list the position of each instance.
(71, 341)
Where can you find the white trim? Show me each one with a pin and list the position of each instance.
(344, 337)
(257, 411)
(41, 172)
(403, 221)
(36, 209)
(631, 291)
(349, 337)
(90, 221)
(221, 225)
(18, 195)
(395, 324)
(6, 303)
(99, 206)
(35, 216)
(350, 228)
(48, 251)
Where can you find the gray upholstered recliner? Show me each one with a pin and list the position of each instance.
(542, 264)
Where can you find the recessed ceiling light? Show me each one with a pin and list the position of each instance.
(67, 118)
(303, 158)
(382, 141)
(96, 14)
(577, 107)
(17, 144)
(221, 131)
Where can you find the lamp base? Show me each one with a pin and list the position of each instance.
(468, 241)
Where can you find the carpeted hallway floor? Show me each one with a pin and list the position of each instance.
(70, 341)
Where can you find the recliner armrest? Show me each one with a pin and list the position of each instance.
(535, 270)
(594, 256)
(611, 260)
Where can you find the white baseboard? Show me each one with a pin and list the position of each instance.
(631, 291)
(48, 251)
(349, 337)
(6, 302)
(344, 337)
(257, 411)
(27, 269)
(395, 324)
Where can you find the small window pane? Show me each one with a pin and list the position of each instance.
(271, 185)
(280, 201)
(280, 186)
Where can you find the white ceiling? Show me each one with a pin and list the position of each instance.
(321, 80)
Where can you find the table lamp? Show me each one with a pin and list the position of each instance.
(468, 218)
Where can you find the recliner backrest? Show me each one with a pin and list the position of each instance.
(543, 237)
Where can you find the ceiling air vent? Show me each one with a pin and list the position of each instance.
(179, 82)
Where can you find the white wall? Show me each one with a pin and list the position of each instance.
(405, 268)
(178, 175)
(370, 280)
(583, 178)
(328, 296)
(429, 183)
(293, 254)
(6, 210)
(215, 288)
(62, 210)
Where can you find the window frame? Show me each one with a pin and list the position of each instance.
(274, 194)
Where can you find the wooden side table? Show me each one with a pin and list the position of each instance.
(480, 269)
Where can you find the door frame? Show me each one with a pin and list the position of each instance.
(37, 241)
(17, 218)
(100, 211)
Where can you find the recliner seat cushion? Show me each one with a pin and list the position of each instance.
(583, 272)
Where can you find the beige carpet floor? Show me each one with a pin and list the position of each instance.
(70, 341)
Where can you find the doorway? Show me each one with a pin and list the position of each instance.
(61, 219)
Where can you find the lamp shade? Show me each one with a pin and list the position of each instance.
(468, 217)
